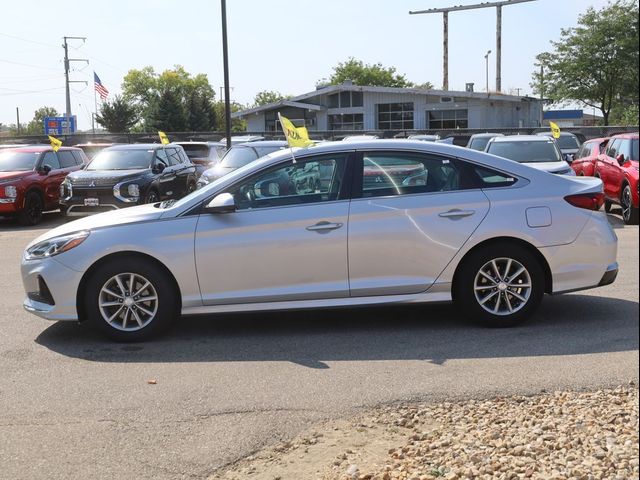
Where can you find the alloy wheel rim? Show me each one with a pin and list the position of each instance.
(626, 203)
(33, 210)
(128, 302)
(502, 286)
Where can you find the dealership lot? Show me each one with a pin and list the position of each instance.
(73, 405)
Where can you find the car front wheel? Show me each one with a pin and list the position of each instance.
(130, 299)
(629, 213)
(500, 285)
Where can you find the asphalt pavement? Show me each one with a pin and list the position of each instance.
(74, 405)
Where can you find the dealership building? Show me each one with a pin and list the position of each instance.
(349, 107)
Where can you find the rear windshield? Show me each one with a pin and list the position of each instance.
(21, 161)
(568, 141)
(196, 151)
(479, 143)
(121, 160)
(526, 152)
(238, 157)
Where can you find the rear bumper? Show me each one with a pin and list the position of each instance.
(609, 275)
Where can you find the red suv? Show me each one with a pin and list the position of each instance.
(584, 162)
(618, 169)
(30, 179)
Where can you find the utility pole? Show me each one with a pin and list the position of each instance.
(67, 61)
(445, 19)
(18, 119)
(225, 60)
(486, 62)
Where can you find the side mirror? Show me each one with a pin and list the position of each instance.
(620, 159)
(158, 168)
(222, 203)
(45, 169)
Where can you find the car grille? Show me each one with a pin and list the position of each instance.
(95, 182)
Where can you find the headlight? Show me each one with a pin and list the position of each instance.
(133, 190)
(56, 245)
(129, 194)
(10, 191)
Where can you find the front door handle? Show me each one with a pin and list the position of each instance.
(456, 213)
(323, 227)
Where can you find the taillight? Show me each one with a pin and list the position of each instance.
(590, 201)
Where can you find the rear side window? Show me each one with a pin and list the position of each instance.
(67, 160)
(484, 177)
(78, 156)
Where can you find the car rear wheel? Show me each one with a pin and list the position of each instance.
(31, 214)
(500, 285)
(130, 299)
(629, 213)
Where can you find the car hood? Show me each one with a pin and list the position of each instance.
(217, 172)
(141, 213)
(7, 176)
(551, 167)
(104, 176)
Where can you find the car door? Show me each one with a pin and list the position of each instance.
(53, 179)
(412, 217)
(607, 169)
(285, 241)
(167, 177)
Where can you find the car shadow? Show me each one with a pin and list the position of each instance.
(614, 220)
(49, 220)
(564, 325)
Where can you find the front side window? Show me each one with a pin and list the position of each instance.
(51, 159)
(310, 181)
(385, 174)
(173, 156)
(66, 159)
(612, 149)
(395, 116)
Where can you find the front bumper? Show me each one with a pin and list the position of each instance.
(76, 206)
(51, 289)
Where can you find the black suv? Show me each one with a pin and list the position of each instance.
(127, 175)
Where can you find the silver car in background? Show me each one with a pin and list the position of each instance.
(540, 152)
(347, 223)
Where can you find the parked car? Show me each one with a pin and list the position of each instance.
(237, 139)
(618, 169)
(30, 179)
(584, 162)
(126, 175)
(239, 156)
(203, 155)
(478, 141)
(92, 149)
(538, 152)
(568, 142)
(488, 233)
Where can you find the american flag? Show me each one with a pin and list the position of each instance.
(100, 88)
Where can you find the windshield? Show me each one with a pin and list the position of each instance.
(121, 160)
(20, 161)
(238, 157)
(526, 152)
(479, 143)
(567, 141)
(634, 149)
(90, 151)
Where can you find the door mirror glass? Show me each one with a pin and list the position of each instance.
(620, 159)
(158, 167)
(45, 169)
(222, 203)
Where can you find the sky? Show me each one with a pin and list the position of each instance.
(273, 45)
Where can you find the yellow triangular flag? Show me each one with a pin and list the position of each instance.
(296, 136)
(55, 143)
(555, 130)
(163, 138)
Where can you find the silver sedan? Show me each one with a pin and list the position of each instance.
(341, 224)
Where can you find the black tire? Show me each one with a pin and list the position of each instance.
(469, 277)
(191, 187)
(607, 206)
(152, 197)
(629, 212)
(31, 214)
(124, 326)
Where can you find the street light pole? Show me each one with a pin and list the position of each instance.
(225, 60)
(486, 61)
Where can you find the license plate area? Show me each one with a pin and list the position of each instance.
(91, 202)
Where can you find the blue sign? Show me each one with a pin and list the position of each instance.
(59, 125)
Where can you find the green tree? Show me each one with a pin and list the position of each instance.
(118, 115)
(36, 125)
(595, 63)
(175, 89)
(366, 75)
(268, 96)
(237, 125)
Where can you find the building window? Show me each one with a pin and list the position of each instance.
(395, 116)
(346, 99)
(448, 119)
(353, 121)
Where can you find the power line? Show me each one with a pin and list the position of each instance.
(27, 92)
(28, 65)
(29, 40)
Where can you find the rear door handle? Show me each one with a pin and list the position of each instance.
(456, 213)
(323, 226)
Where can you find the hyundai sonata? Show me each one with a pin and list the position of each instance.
(381, 222)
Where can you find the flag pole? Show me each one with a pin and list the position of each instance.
(95, 104)
(286, 137)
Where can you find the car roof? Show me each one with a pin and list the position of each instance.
(486, 134)
(262, 143)
(205, 142)
(549, 134)
(136, 146)
(626, 135)
(520, 138)
(37, 148)
(90, 144)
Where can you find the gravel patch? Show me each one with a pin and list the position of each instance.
(562, 435)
